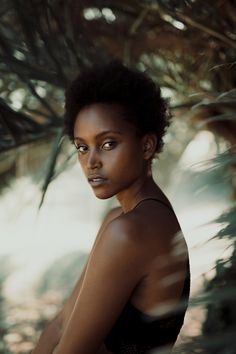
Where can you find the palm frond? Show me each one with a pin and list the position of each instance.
(51, 163)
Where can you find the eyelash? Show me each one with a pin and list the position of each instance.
(107, 142)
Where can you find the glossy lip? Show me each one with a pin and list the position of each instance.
(100, 180)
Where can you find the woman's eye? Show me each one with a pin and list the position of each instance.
(81, 148)
(108, 145)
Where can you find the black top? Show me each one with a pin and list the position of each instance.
(136, 333)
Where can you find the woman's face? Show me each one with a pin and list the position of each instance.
(109, 151)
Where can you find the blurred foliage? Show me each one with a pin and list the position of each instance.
(218, 295)
(62, 274)
(187, 46)
(221, 315)
(3, 328)
(5, 267)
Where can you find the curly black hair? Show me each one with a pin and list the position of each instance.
(115, 83)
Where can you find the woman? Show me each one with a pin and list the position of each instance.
(129, 298)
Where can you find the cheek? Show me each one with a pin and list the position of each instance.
(125, 162)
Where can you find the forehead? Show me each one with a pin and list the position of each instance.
(98, 117)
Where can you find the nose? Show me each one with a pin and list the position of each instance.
(93, 159)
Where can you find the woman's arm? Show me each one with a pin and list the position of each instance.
(118, 263)
(70, 303)
(52, 333)
(50, 336)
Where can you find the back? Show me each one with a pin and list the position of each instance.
(144, 322)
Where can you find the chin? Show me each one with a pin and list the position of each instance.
(103, 194)
(106, 193)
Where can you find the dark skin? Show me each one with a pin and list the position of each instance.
(133, 253)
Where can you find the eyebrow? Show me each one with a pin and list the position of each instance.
(105, 132)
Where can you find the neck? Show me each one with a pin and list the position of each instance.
(140, 189)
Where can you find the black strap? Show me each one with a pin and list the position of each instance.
(158, 200)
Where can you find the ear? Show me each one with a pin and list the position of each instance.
(149, 142)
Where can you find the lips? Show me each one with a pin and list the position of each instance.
(96, 180)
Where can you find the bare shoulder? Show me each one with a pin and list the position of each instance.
(119, 240)
(130, 226)
(154, 230)
(112, 214)
(121, 226)
(128, 235)
(118, 263)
